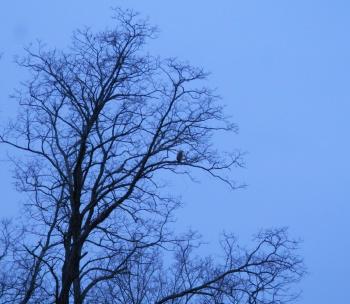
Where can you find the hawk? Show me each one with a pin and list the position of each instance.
(180, 156)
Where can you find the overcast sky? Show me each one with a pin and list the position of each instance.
(282, 68)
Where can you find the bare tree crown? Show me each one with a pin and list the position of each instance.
(99, 124)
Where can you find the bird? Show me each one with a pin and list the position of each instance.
(180, 156)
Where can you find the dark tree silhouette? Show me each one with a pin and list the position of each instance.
(98, 126)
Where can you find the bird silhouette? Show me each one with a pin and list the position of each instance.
(180, 156)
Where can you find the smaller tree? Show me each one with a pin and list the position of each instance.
(262, 275)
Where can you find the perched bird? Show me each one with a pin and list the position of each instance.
(180, 156)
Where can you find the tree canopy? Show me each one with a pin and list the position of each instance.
(98, 126)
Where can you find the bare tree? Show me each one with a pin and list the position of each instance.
(100, 125)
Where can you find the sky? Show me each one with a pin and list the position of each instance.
(282, 68)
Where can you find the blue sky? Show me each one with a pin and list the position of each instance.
(282, 68)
